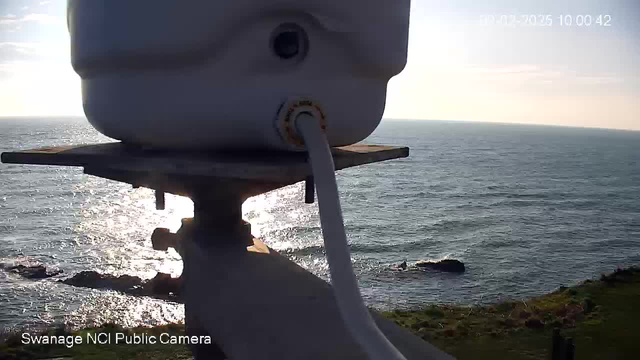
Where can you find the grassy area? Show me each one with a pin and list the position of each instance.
(602, 316)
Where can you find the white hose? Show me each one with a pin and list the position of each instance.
(354, 313)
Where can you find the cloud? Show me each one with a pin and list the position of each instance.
(512, 69)
(33, 51)
(15, 51)
(533, 74)
(16, 46)
(44, 2)
(600, 79)
(39, 18)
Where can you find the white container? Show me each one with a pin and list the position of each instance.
(205, 74)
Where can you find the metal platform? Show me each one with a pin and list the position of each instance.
(255, 303)
(181, 172)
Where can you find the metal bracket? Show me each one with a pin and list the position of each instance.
(309, 189)
(160, 200)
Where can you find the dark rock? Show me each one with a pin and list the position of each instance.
(94, 280)
(403, 265)
(534, 323)
(447, 265)
(162, 286)
(32, 272)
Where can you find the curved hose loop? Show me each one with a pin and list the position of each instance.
(353, 310)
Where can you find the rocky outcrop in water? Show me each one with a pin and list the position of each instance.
(161, 286)
(95, 280)
(447, 265)
(31, 272)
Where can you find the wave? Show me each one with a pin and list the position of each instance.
(362, 248)
(413, 195)
(372, 229)
(511, 195)
(499, 244)
(291, 231)
(6, 229)
(471, 223)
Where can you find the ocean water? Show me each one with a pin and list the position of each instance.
(526, 208)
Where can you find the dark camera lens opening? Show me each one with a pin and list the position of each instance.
(289, 41)
(286, 45)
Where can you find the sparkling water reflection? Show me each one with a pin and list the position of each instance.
(526, 208)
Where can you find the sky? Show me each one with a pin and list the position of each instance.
(464, 63)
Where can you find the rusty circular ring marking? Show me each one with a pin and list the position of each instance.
(289, 112)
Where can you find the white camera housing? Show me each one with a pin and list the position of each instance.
(206, 74)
